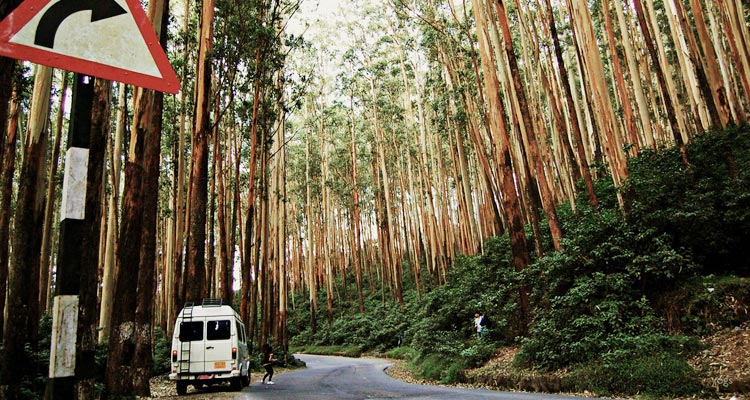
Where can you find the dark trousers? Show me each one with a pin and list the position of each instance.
(269, 372)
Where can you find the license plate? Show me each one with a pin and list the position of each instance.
(220, 364)
(205, 377)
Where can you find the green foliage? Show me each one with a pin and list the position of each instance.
(702, 208)
(434, 366)
(476, 354)
(402, 353)
(487, 283)
(595, 292)
(658, 374)
(708, 304)
(381, 328)
(342, 350)
(162, 352)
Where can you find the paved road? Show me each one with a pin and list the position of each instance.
(328, 378)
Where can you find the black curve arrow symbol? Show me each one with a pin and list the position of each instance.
(55, 15)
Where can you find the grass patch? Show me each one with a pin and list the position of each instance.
(654, 375)
(340, 350)
(402, 353)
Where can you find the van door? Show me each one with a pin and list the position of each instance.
(218, 354)
(192, 345)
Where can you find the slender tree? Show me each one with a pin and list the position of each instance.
(45, 270)
(22, 305)
(195, 274)
(9, 144)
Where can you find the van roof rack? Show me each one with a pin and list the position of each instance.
(212, 302)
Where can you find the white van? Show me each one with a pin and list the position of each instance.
(209, 346)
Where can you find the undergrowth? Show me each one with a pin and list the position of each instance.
(610, 310)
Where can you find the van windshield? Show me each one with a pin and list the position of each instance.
(191, 331)
(218, 330)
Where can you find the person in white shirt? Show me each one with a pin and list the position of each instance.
(479, 322)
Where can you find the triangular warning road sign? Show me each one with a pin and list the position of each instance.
(110, 39)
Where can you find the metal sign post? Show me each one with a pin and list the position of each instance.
(61, 383)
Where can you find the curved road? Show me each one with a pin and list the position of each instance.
(340, 378)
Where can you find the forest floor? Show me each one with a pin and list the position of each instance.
(725, 365)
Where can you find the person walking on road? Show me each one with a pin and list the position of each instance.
(267, 363)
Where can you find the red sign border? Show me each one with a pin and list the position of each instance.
(27, 10)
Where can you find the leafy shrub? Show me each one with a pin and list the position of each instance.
(487, 283)
(653, 374)
(455, 373)
(434, 366)
(340, 350)
(162, 352)
(596, 289)
(707, 304)
(477, 354)
(402, 353)
(702, 207)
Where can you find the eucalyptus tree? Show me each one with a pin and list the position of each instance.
(22, 323)
(575, 127)
(186, 40)
(108, 269)
(130, 339)
(247, 58)
(195, 284)
(354, 181)
(45, 273)
(9, 144)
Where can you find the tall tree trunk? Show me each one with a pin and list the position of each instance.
(9, 145)
(250, 271)
(108, 277)
(22, 308)
(635, 76)
(120, 374)
(49, 209)
(356, 214)
(261, 265)
(516, 232)
(225, 244)
(211, 275)
(178, 287)
(310, 259)
(148, 123)
(659, 69)
(8, 99)
(89, 269)
(542, 181)
(708, 58)
(622, 91)
(737, 45)
(195, 281)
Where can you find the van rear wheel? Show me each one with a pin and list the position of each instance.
(181, 388)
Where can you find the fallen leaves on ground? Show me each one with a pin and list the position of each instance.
(725, 362)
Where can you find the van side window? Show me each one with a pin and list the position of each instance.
(218, 330)
(240, 332)
(191, 331)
